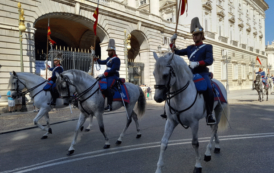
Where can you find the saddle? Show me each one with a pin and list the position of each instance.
(119, 89)
(51, 86)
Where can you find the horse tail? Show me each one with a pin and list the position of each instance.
(141, 105)
(223, 124)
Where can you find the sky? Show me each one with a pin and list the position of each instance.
(269, 22)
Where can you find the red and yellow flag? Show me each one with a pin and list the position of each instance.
(52, 41)
(258, 60)
(184, 6)
(95, 15)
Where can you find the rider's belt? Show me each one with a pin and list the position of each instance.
(109, 68)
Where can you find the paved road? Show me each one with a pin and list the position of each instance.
(246, 147)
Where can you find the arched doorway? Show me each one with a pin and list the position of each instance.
(138, 58)
(69, 31)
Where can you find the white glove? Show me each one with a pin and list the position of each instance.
(174, 37)
(101, 76)
(193, 64)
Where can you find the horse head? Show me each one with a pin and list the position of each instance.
(65, 86)
(16, 85)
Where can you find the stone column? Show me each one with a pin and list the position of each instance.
(154, 7)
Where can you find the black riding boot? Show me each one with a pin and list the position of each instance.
(109, 95)
(209, 100)
(53, 95)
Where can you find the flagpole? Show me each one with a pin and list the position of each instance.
(47, 51)
(94, 43)
(177, 20)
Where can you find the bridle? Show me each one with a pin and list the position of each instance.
(170, 94)
(78, 96)
(20, 93)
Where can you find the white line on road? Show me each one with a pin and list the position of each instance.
(90, 155)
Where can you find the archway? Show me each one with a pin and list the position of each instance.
(69, 31)
(138, 58)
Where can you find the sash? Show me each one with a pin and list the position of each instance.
(56, 68)
(193, 53)
(111, 59)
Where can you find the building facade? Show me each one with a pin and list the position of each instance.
(270, 57)
(235, 28)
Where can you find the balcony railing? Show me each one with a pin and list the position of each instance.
(234, 43)
(210, 34)
(251, 49)
(263, 52)
(257, 51)
(223, 39)
(243, 46)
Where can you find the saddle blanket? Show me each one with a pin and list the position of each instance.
(51, 86)
(117, 96)
(201, 86)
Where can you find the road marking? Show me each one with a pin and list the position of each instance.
(111, 151)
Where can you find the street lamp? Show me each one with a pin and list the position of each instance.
(22, 28)
(227, 60)
(269, 68)
(127, 48)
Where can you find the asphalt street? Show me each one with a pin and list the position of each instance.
(245, 147)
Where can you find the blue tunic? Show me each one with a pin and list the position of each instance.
(58, 69)
(204, 56)
(112, 71)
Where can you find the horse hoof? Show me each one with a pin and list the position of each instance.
(87, 130)
(217, 150)
(106, 146)
(44, 137)
(70, 152)
(82, 128)
(138, 136)
(50, 130)
(197, 170)
(207, 158)
(118, 142)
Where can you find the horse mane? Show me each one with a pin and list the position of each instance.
(22, 75)
(179, 65)
(78, 75)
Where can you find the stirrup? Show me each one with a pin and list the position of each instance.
(108, 108)
(210, 120)
(164, 116)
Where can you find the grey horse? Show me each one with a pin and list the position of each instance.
(185, 106)
(91, 102)
(260, 87)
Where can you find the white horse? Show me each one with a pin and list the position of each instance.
(92, 102)
(184, 105)
(42, 99)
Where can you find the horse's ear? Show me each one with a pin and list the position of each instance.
(14, 73)
(57, 74)
(155, 56)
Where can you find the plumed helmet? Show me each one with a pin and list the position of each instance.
(111, 45)
(195, 26)
(58, 57)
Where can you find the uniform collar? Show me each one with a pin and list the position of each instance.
(199, 44)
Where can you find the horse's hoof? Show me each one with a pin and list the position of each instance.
(138, 136)
(197, 170)
(207, 158)
(87, 130)
(50, 130)
(217, 150)
(118, 142)
(70, 152)
(82, 128)
(106, 146)
(44, 137)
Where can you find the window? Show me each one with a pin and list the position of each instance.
(223, 68)
(243, 71)
(235, 71)
(142, 2)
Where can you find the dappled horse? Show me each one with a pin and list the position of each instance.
(91, 102)
(184, 105)
(260, 87)
(41, 99)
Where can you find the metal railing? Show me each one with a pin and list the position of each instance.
(234, 43)
(210, 34)
(243, 46)
(251, 49)
(223, 39)
(263, 52)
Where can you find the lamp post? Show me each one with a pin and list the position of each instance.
(22, 28)
(127, 48)
(269, 68)
(227, 60)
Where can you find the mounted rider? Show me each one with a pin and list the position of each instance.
(57, 68)
(111, 73)
(200, 55)
(262, 73)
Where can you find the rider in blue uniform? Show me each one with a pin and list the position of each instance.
(57, 68)
(200, 56)
(262, 73)
(111, 73)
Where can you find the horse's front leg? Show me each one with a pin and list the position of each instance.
(99, 117)
(90, 123)
(169, 127)
(259, 95)
(195, 145)
(81, 121)
(45, 136)
(207, 157)
(40, 114)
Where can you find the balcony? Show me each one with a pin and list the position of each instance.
(234, 43)
(223, 39)
(263, 52)
(251, 49)
(257, 51)
(243, 46)
(210, 34)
